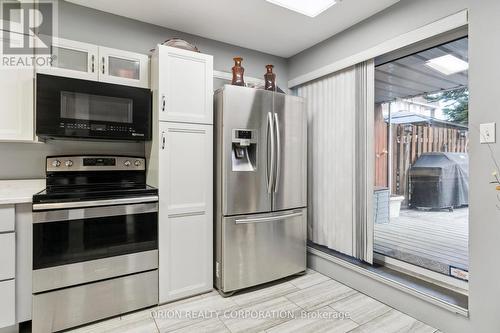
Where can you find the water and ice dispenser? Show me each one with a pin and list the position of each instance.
(244, 150)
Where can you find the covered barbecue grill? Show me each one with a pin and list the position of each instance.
(439, 181)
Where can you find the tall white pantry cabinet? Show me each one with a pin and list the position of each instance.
(181, 166)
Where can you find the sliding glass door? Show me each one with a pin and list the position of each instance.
(421, 160)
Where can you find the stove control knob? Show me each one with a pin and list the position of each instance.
(127, 163)
(56, 163)
(137, 163)
(68, 163)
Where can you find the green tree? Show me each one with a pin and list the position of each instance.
(456, 104)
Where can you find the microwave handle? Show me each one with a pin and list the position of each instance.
(103, 64)
(93, 63)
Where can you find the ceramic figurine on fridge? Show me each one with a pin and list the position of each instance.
(238, 72)
(270, 79)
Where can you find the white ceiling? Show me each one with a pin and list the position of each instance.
(409, 76)
(254, 24)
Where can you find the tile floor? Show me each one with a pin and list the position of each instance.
(309, 303)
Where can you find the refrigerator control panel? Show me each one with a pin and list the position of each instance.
(243, 134)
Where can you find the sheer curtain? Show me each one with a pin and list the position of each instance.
(340, 170)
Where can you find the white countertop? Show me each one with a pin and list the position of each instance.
(19, 190)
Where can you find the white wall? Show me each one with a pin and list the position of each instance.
(484, 52)
(484, 74)
(27, 160)
(24, 160)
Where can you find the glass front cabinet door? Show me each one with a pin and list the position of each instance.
(97, 63)
(123, 67)
(72, 59)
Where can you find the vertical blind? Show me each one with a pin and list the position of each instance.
(340, 111)
(365, 160)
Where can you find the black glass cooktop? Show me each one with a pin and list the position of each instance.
(94, 177)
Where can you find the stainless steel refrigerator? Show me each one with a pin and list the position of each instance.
(261, 187)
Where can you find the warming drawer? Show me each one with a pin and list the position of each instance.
(69, 307)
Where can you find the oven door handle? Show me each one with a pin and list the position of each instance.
(68, 215)
(93, 203)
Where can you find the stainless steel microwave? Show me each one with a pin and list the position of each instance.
(74, 108)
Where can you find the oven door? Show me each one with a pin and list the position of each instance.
(68, 107)
(79, 245)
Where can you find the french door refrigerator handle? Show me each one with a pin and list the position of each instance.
(278, 153)
(270, 133)
(267, 219)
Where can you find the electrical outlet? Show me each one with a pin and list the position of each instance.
(487, 133)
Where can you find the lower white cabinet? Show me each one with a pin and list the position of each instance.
(7, 218)
(7, 301)
(185, 182)
(16, 266)
(7, 266)
(7, 256)
(24, 261)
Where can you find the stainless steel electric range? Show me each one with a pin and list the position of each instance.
(95, 241)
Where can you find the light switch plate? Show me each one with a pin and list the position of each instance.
(487, 133)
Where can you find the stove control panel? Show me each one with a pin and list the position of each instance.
(99, 161)
(92, 163)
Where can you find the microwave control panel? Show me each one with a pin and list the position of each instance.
(95, 127)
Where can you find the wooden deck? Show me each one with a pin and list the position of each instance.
(433, 240)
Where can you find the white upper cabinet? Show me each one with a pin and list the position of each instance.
(185, 85)
(97, 63)
(123, 67)
(16, 98)
(72, 59)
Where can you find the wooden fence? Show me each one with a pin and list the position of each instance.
(409, 141)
